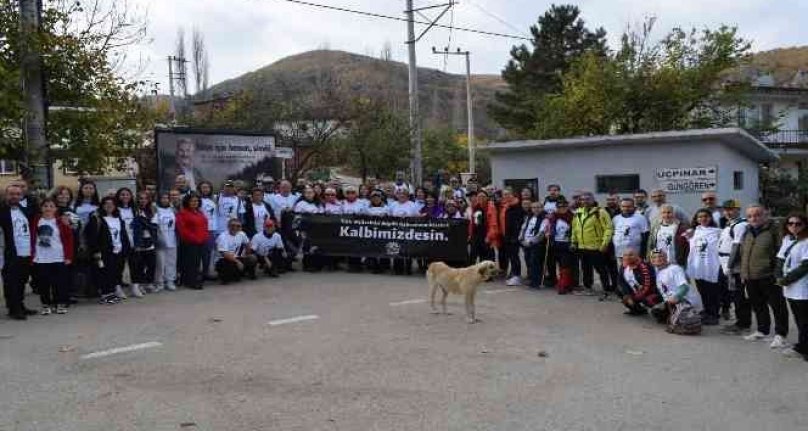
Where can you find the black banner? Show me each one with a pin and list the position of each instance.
(386, 237)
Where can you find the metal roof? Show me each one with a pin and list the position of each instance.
(734, 137)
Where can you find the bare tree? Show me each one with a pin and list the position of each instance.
(387, 51)
(199, 53)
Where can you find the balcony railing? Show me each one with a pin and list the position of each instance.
(782, 138)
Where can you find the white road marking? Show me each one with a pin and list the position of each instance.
(408, 302)
(495, 291)
(293, 320)
(117, 350)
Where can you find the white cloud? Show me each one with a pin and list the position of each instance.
(243, 35)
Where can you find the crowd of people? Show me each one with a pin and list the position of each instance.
(650, 255)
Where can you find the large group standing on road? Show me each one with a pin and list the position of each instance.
(687, 272)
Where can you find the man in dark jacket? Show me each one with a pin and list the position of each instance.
(256, 213)
(758, 260)
(16, 227)
(511, 216)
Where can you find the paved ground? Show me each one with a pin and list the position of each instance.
(365, 364)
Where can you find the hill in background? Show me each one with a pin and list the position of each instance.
(442, 95)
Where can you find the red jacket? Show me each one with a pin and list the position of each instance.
(192, 226)
(65, 235)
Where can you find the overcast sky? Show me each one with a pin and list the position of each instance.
(243, 35)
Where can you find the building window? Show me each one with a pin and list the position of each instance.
(617, 183)
(737, 180)
(802, 122)
(7, 167)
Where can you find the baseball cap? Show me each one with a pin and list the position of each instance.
(269, 223)
(731, 203)
(228, 183)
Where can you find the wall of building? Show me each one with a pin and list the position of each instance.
(577, 168)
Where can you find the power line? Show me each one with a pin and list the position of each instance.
(395, 18)
(495, 16)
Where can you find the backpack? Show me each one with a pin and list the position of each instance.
(732, 227)
(684, 320)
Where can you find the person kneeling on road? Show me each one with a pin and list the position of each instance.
(268, 249)
(682, 303)
(638, 283)
(235, 257)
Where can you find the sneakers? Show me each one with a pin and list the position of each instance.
(61, 309)
(755, 336)
(778, 342)
(171, 287)
(110, 300)
(514, 281)
(45, 310)
(119, 292)
(156, 287)
(136, 292)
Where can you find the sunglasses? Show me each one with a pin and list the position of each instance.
(794, 223)
(708, 199)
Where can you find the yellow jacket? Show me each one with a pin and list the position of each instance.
(592, 229)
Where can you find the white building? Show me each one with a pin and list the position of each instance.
(777, 113)
(685, 163)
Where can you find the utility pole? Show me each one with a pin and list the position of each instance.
(171, 76)
(415, 119)
(469, 104)
(36, 156)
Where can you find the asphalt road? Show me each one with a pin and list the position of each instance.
(361, 353)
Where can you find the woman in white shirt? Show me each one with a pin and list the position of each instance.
(704, 264)
(207, 204)
(793, 259)
(166, 220)
(109, 244)
(403, 207)
(308, 204)
(125, 200)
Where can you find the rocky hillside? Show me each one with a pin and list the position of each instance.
(442, 95)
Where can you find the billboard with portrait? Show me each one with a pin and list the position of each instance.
(215, 156)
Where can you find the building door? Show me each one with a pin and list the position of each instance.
(518, 184)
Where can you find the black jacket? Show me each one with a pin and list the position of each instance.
(514, 216)
(249, 217)
(9, 249)
(99, 238)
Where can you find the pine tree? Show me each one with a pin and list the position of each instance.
(560, 38)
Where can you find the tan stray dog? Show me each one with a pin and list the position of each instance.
(463, 281)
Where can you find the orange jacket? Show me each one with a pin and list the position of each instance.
(492, 235)
(502, 221)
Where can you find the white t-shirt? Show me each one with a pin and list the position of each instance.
(628, 232)
(304, 207)
(528, 232)
(796, 256)
(127, 216)
(406, 209)
(166, 220)
(236, 244)
(668, 281)
(630, 278)
(208, 207)
(333, 207)
(730, 235)
(377, 211)
(114, 225)
(261, 214)
(355, 207)
(229, 207)
(84, 211)
(48, 242)
(550, 207)
(703, 262)
(22, 232)
(666, 240)
(262, 245)
(279, 202)
(563, 231)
